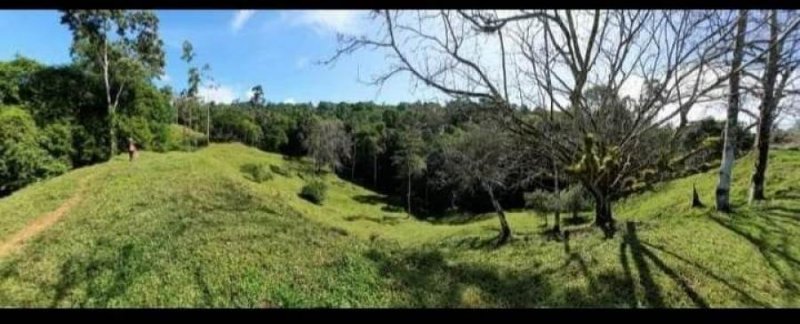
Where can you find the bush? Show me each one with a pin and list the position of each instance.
(257, 172)
(181, 138)
(540, 200)
(281, 171)
(137, 128)
(57, 140)
(314, 191)
(22, 159)
(576, 199)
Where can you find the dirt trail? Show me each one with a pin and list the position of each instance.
(42, 222)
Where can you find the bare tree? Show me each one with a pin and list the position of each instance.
(328, 144)
(728, 152)
(546, 58)
(482, 158)
(771, 87)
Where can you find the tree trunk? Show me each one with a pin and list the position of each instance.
(603, 216)
(762, 147)
(408, 194)
(696, 203)
(208, 123)
(768, 105)
(729, 151)
(375, 170)
(505, 230)
(353, 166)
(112, 134)
(557, 225)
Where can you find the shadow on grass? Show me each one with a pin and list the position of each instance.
(772, 240)
(788, 193)
(388, 204)
(429, 280)
(462, 219)
(747, 297)
(641, 255)
(384, 220)
(122, 268)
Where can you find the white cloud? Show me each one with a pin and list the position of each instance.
(289, 100)
(220, 94)
(240, 18)
(324, 21)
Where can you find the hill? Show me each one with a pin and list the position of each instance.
(191, 229)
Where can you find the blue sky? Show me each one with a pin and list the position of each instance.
(277, 49)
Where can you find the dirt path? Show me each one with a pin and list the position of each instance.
(42, 222)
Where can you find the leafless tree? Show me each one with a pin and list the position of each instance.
(482, 158)
(549, 58)
(771, 87)
(328, 144)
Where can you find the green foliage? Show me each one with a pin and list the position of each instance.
(576, 199)
(137, 128)
(314, 191)
(258, 172)
(57, 140)
(541, 200)
(181, 138)
(280, 170)
(13, 75)
(22, 159)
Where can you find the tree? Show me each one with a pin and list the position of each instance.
(728, 152)
(779, 68)
(22, 159)
(327, 143)
(257, 99)
(482, 158)
(409, 158)
(543, 58)
(119, 45)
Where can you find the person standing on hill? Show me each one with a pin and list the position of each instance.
(131, 149)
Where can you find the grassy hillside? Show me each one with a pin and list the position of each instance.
(190, 229)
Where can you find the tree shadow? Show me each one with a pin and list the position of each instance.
(429, 280)
(384, 220)
(773, 255)
(124, 266)
(746, 296)
(580, 220)
(388, 204)
(473, 242)
(462, 219)
(640, 255)
(788, 193)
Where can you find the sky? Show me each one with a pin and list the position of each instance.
(277, 49)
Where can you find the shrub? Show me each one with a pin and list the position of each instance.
(576, 199)
(137, 128)
(181, 138)
(540, 200)
(314, 191)
(22, 159)
(257, 172)
(281, 171)
(57, 140)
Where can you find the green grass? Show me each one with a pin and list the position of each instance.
(192, 229)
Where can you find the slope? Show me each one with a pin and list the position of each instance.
(189, 229)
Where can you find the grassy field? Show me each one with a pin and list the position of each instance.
(191, 229)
